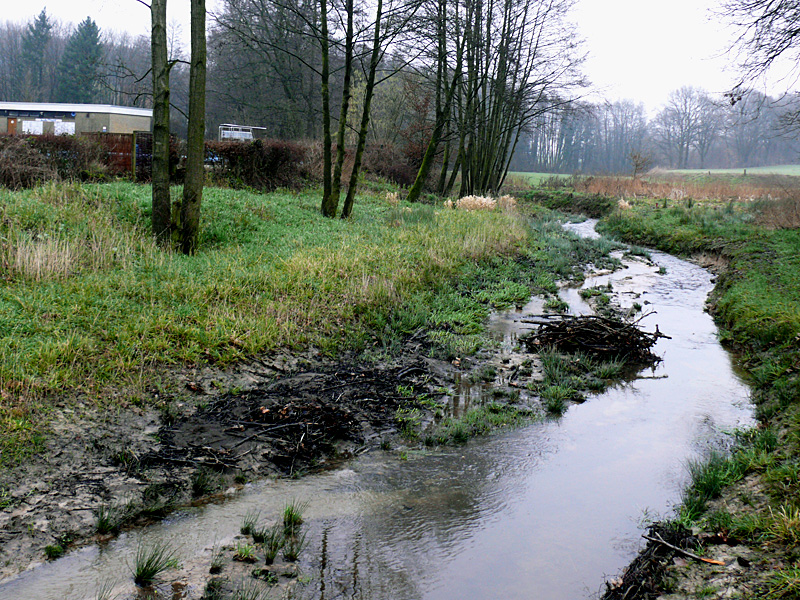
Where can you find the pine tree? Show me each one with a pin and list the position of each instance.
(34, 43)
(80, 64)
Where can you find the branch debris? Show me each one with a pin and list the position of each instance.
(603, 337)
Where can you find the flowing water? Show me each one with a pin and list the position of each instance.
(545, 512)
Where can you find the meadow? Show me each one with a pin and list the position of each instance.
(92, 311)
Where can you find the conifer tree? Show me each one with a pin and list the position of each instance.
(80, 64)
(34, 44)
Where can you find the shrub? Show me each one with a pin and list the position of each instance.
(387, 161)
(22, 165)
(262, 164)
(32, 160)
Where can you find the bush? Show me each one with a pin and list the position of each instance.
(264, 165)
(32, 160)
(591, 205)
(22, 165)
(388, 162)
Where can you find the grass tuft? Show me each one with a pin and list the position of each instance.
(293, 545)
(152, 559)
(249, 522)
(274, 540)
(293, 517)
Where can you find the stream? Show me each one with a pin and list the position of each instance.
(548, 511)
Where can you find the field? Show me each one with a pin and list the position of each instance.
(91, 308)
(790, 170)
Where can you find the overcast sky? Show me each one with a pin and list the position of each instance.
(638, 49)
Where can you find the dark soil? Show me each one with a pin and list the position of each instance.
(281, 415)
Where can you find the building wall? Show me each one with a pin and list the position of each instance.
(84, 123)
(128, 123)
(91, 122)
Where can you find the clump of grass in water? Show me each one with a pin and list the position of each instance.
(274, 540)
(152, 559)
(611, 369)
(249, 522)
(213, 590)
(249, 589)
(108, 518)
(556, 304)
(217, 560)
(555, 398)
(104, 590)
(293, 517)
(293, 545)
(477, 421)
(245, 553)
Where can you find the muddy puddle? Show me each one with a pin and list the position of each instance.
(548, 511)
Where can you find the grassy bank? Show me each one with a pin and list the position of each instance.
(751, 494)
(90, 308)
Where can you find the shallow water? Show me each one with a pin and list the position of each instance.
(547, 511)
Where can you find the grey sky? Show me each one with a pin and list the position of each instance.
(638, 49)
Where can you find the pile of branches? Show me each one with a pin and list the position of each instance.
(643, 578)
(602, 337)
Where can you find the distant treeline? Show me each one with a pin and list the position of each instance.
(265, 76)
(692, 130)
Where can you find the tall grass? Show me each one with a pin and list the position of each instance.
(677, 188)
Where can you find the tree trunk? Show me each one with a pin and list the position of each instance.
(442, 111)
(347, 209)
(328, 208)
(195, 158)
(336, 183)
(162, 213)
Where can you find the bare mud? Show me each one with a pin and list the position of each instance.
(282, 415)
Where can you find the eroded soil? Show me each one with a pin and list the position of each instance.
(281, 415)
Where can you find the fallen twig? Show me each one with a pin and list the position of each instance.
(658, 539)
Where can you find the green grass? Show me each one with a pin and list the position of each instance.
(152, 559)
(249, 522)
(477, 421)
(532, 179)
(91, 308)
(791, 170)
(274, 540)
(293, 516)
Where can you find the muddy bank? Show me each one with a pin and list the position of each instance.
(282, 415)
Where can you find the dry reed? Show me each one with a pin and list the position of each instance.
(683, 189)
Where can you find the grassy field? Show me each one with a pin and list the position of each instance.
(531, 179)
(790, 170)
(91, 308)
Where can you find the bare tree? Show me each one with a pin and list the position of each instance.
(709, 126)
(162, 210)
(769, 30)
(521, 59)
(195, 158)
(676, 126)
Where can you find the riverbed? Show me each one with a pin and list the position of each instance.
(548, 511)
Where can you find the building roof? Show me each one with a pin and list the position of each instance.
(76, 108)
